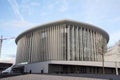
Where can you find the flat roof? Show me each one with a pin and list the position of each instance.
(87, 63)
(108, 64)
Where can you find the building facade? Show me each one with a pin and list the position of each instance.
(63, 47)
(4, 66)
(62, 40)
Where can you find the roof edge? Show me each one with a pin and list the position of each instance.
(104, 33)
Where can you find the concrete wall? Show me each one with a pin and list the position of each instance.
(37, 67)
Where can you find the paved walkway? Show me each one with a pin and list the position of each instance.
(47, 77)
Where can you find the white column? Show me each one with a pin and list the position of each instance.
(68, 43)
(61, 50)
(57, 43)
(48, 35)
(88, 44)
(73, 45)
(94, 49)
(59, 40)
(77, 44)
(51, 39)
(81, 43)
(91, 47)
(116, 68)
(41, 53)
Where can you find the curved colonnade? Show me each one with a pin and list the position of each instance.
(62, 40)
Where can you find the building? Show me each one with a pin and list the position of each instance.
(113, 53)
(63, 47)
(63, 40)
(4, 66)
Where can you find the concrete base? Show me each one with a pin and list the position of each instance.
(71, 67)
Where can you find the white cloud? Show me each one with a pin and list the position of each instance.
(15, 8)
(28, 7)
(64, 6)
(43, 14)
(51, 6)
(17, 24)
(113, 20)
(21, 24)
(9, 47)
(96, 10)
(34, 4)
(114, 37)
(104, 14)
(12, 39)
(59, 5)
(7, 60)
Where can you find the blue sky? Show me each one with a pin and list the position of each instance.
(17, 16)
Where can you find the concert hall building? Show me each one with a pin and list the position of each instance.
(64, 46)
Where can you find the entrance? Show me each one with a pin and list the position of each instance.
(18, 69)
(65, 69)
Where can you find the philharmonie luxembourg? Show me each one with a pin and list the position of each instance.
(63, 47)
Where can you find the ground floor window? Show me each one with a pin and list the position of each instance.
(66, 69)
